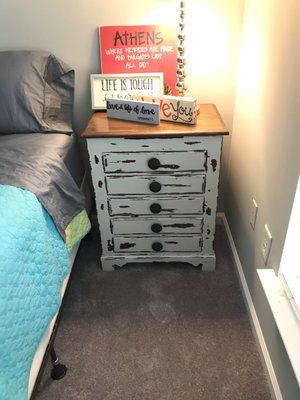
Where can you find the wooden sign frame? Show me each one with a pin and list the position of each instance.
(124, 86)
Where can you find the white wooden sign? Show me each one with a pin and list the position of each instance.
(179, 109)
(124, 86)
(138, 111)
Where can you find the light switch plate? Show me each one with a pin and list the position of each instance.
(266, 244)
(253, 214)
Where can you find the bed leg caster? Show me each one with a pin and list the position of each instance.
(58, 370)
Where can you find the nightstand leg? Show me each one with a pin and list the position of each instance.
(107, 265)
(209, 264)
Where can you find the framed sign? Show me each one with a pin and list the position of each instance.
(140, 49)
(124, 86)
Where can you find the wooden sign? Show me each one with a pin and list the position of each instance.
(179, 109)
(142, 48)
(137, 111)
(124, 86)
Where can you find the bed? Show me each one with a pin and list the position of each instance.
(43, 210)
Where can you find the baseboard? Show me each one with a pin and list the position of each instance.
(219, 218)
(276, 393)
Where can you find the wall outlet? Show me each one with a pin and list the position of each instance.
(266, 244)
(253, 215)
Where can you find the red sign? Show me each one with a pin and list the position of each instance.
(143, 48)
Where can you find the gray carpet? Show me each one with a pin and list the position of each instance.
(159, 333)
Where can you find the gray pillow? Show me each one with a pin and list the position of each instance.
(36, 93)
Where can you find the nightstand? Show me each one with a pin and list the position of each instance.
(156, 188)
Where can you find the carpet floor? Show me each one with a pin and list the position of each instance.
(167, 332)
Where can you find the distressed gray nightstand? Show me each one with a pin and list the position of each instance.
(156, 188)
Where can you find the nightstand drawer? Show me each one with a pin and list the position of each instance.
(159, 184)
(131, 206)
(156, 225)
(154, 244)
(175, 161)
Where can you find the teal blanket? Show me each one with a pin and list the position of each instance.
(33, 263)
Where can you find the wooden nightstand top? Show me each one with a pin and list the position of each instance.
(209, 123)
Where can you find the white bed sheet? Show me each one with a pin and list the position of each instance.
(39, 355)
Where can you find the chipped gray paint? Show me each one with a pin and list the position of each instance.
(187, 172)
(169, 225)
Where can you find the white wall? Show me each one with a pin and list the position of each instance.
(68, 29)
(265, 151)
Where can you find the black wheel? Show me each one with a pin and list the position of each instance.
(58, 371)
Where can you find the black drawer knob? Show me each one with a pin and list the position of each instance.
(155, 208)
(153, 163)
(155, 186)
(157, 246)
(156, 228)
